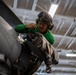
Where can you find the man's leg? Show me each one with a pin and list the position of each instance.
(47, 62)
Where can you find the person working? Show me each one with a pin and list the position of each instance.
(36, 33)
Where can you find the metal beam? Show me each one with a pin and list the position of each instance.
(27, 3)
(70, 5)
(66, 65)
(65, 6)
(63, 73)
(65, 57)
(34, 5)
(15, 4)
(61, 36)
(68, 43)
(22, 12)
(65, 34)
(67, 18)
(58, 69)
(74, 32)
(61, 25)
(55, 1)
(71, 43)
(8, 15)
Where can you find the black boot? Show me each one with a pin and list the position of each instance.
(48, 64)
(48, 69)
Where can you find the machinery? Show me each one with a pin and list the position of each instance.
(14, 59)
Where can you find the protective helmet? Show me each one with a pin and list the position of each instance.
(46, 18)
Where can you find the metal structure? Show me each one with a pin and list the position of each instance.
(64, 30)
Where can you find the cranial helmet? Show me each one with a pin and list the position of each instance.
(46, 18)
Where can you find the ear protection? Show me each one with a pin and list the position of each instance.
(37, 20)
(50, 27)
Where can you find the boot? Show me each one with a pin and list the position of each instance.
(48, 69)
(48, 64)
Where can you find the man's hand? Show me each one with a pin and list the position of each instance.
(31, 25)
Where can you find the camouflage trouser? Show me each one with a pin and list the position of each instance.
(42, 44)
(51, 53)
(46, 46)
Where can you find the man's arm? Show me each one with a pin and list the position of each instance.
(27, 28)
(23, 28)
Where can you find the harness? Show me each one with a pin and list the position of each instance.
(36, 39)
